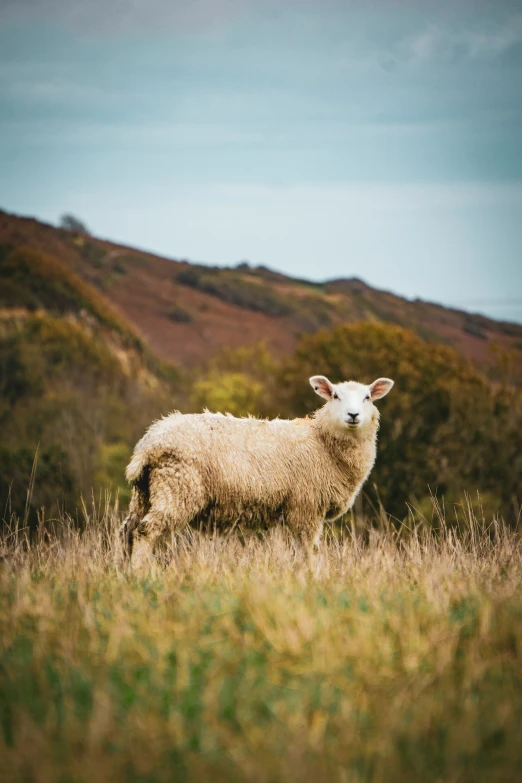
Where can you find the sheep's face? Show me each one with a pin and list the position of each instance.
(350, 404)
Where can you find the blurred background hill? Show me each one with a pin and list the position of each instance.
(187, 312)
(98, 339)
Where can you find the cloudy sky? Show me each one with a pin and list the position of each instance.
(323, 138)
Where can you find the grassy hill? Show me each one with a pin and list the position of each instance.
(187, 313)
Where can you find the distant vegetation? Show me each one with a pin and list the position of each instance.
(444, 427)
(147, 289)
(68, 402)
(178, 314)
(77, 387)
(231, 288)
(74, 224)
(37, 281)
(309, 312)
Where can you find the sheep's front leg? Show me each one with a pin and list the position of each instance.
(305, 527)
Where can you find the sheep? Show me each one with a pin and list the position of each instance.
(219, 470)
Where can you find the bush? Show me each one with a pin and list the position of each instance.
(308, 313)
(238, 381)
(71, 223)
(179, 315)
(443, 426)
(231, 392)
(233, 289)
(66, 396)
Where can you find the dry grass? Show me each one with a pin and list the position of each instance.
(394, 659)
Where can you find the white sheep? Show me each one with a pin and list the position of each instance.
(218, 470)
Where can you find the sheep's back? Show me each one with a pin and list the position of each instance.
(237, 455)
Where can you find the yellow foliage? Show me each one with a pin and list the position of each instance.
(231, 392)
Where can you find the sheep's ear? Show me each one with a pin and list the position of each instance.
(322, 386)
(380, 388)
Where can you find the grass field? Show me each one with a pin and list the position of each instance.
(392, 658)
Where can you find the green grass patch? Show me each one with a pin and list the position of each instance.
(246, 661)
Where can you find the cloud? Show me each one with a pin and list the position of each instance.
(424, 45)
(436, 42)
(123, 16)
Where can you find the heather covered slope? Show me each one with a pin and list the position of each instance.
(188, 312)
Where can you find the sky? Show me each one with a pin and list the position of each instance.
(376, 139)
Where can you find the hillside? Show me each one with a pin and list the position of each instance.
(188, 312)
(77, 386)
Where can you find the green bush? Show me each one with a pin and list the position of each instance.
(178, 314)
(444, 429)
(66, 397)
(233, 289)
(231, 392)
(443, 426)
(238, 381)
(308, 313)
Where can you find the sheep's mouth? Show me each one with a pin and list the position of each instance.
(353, 424)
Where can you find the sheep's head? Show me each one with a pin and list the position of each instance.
(350, 404)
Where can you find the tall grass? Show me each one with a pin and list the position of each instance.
(393, 657)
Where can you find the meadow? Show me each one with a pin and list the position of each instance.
(393, 655)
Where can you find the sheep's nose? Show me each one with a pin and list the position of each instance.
(353, 416)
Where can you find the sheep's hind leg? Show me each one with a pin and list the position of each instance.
(176, 496)
(146, 539)
(137, 510)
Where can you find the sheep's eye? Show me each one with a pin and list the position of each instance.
(367, 397)
(335, 396)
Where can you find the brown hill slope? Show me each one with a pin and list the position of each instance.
(188, 312)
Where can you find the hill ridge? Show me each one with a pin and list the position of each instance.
(187, 312)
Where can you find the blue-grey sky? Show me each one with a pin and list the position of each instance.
(325, 139)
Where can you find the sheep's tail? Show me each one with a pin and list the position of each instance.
(137, 474)
(136, 467)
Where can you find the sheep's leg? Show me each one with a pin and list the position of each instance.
(137, 510)
(307, 529)
(126, 536)
(146, 539)
(176, 496)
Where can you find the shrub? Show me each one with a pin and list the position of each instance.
(65, 394)
(308, 313)
(443, 427)
(238, 381)
(231, 392)
(71, 223)
(233, 289)
(179, 315)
